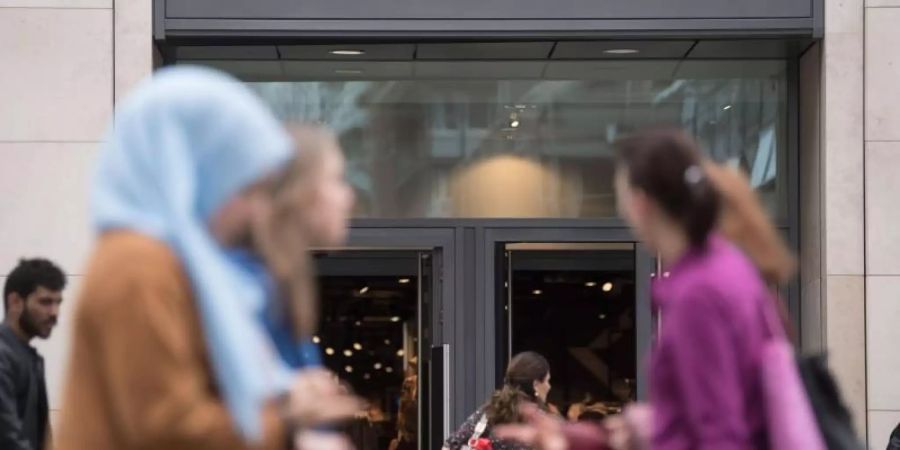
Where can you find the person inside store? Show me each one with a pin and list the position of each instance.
(715, 303)
(32, 296)
(168, 351)
(527, 381)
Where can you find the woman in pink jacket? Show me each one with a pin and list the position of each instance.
(704, 369)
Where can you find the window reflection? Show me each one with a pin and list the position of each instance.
(537, 147)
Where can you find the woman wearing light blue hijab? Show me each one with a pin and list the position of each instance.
(169, 351)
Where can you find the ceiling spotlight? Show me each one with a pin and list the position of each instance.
(403, 281)
(537, 292)
(349, 369)
(316, 340)
(357, 346)
(377, 366)
(590, 283)
(364, 290)
(348, 353)
(621, 51)
(607, 287)
(389, 369)
(400, 353)
(347, 52)
(395, 319)
(329, 351)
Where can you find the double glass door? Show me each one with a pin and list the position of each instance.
(421, 321)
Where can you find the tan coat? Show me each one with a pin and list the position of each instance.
(139, 378)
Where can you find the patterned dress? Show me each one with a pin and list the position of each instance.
(460, 438)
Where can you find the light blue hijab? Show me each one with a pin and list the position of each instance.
(183, 144)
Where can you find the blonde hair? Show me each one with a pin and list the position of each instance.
(745, 222)
(281, 235)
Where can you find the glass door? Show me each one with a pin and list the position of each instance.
(375, 334)
(584, 306)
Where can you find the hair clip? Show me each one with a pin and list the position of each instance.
(693, 175)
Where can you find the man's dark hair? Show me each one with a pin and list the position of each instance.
(31, 274)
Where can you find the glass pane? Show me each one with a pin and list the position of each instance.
(369, 336)
(578, 309)
(529, 139)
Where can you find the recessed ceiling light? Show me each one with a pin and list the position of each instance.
(590, 283)
(395, 319)
(607, 287)
(366, 376)
(347, 52)
(357, 346)
(364, 290)
(349, 369)
(348, 72)
(348, 353)
(389, 369)
(537, 292)
(316, 340)
(403, 281)
(329, 351)
(621, 51)
(400, 353)
(377, 366)
(387, 342)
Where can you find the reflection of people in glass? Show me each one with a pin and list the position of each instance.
(527, 380)
(408, 413)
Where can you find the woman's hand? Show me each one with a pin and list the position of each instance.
(316, 440)
(316, 398)
(630, 430)
(539, 431)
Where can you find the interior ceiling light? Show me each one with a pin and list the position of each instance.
(364, 290)
(316, 340)
(347, 52)
(357, 346)
(537, 292)
(403, 281)
(395, 319)
(387, 342)
(621, 51)
(514, 124)
(726, 108)
(349, 369)
(389, 369)
(366, 376)
(590, 283)
(607, 287)
(400, 353)
(377, 366)
(329, 351)
(348, 353)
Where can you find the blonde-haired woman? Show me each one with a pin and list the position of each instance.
(168, 350)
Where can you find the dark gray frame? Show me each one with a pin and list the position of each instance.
(209, 22)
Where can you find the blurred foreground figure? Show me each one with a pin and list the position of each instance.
(170, 350)
(31, 299)
(706, 386)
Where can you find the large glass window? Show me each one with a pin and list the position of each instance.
(527, 139)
